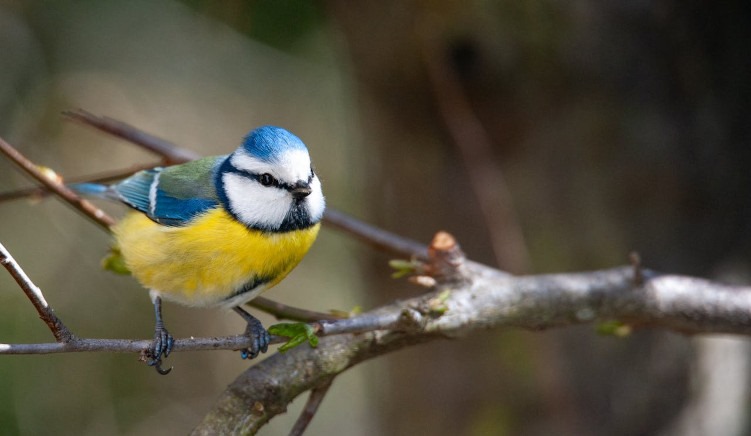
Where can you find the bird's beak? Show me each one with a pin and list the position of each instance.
(301, 190)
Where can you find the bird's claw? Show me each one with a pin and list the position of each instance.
(157, 364)
(259, 339)
(161, 346)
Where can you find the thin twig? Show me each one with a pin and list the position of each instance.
(32, 291)
(635, 259)
(375, 237)
(84, 206)
(105, 177)
(236, 342)
(315, 399)
(283, 311)
(359, 324)
(171, 153)
(366, 322)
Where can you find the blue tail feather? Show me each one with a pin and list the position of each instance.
(89, 188)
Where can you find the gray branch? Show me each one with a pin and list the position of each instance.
(487, 299)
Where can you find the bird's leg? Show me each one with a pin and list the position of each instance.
(259, 336)
(163, 341)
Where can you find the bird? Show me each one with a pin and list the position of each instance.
(218, 231)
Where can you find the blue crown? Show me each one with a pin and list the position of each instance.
(268, 143)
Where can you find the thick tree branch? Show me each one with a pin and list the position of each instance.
(488, 299)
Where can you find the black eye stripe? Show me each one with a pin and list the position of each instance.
(259, 178)
(264, 179)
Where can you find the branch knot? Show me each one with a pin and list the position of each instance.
(445, 263)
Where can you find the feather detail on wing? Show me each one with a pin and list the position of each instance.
(172, 195)
(134, 191)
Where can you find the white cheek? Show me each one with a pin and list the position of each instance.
(316, 202)
(254, 204)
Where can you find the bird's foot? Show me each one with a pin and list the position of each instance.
(163, 341)
(160, 347)
(258, 335)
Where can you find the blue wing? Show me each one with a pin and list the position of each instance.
(171, 195)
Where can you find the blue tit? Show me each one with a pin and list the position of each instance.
(218, 231)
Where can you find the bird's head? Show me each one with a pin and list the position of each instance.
(269, 184)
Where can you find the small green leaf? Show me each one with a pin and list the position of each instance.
(402, 267)
(443, 296)
(292, 343)
(298, 333)
(313, 340)
(339, 313)
(342, 314)
(614, 328)
(115, 262)
(437, 304)
(286, 329)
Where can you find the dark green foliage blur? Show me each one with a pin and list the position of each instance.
(282, 24)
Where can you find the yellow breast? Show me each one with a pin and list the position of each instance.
(208, 261)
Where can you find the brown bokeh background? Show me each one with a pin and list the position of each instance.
(547, 136)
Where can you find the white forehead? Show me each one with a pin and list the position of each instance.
(289, 166)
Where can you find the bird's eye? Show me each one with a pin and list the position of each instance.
(266, 179)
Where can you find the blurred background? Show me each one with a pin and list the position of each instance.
(548, 136)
